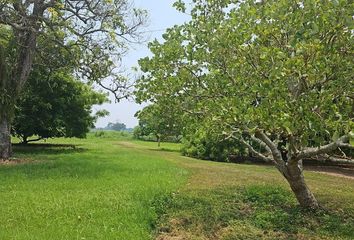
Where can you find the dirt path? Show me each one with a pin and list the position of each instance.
(337, 171)
(344, 172)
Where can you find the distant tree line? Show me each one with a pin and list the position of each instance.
(117, 126)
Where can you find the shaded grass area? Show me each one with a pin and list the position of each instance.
(95, 191)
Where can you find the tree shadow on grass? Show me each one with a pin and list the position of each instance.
(48, 149)
(165, 150)
(57, 162)
(58, 170)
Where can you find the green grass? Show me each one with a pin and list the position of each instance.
(99, 191)
(165, 146)
(253, 212)
(112, 187)
(233, 201)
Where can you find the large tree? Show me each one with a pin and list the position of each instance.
(100, 29)
(55, 105)
(275, 74)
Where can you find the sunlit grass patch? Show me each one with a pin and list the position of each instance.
(97, 190)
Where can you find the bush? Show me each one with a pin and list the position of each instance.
(210, 146)
(99, 134)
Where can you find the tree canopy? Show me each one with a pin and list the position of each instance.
(278, 74)
(55, 105)
(159, 121)
(100, 29)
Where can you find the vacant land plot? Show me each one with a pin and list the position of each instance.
(110, 188)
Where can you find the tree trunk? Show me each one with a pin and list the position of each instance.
(13, 77)
(158, 141)
(295, 178)
(5, 137)
(24, 140)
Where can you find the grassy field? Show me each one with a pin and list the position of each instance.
(111, 187)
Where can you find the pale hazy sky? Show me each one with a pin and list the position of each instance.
(161, 16)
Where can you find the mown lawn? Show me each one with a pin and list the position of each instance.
(111, 187)
(100, 190)
(240, 201)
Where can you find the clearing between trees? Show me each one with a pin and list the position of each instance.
(109, 188)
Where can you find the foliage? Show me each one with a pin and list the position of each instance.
(205, 142)
(265, 64)
(107, 134)
(275, 73)
(137, 132)
(55, 105)
(158, 121)
(96, 34)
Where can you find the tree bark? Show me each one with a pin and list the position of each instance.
(290, 165)
(5, 137)
(294, 176)
(292, 169)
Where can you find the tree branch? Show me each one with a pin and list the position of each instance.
(32, 140)
(255, 152)
(262, 144)
(346, 145)
(272, 146)
(311, 152)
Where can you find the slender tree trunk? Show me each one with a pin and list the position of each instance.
(5, 144)
(24, 140)
(5, 137)
(295, 178)
(158, 141)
